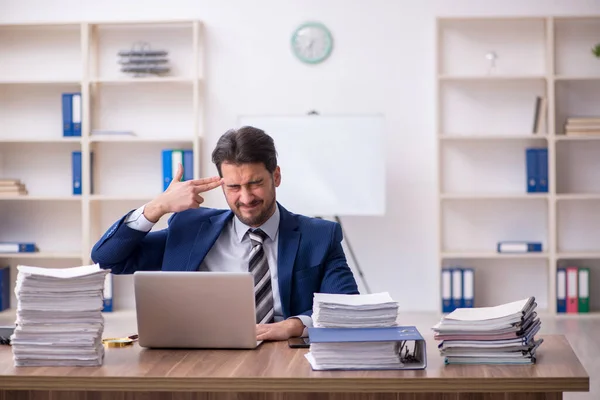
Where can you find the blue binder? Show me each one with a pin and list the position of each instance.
(457, 288)
(542, 160)
(67, 114)
(167, 168)
(188, 165)
(76, 114)
(561, 290)
(446, 291)
(5, 288)
(13, 247)
(108, 293)
(76, 172)
(468, 278)
(387, 334)
(531, 158)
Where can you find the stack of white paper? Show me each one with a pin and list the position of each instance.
(354, 310)
(59, 316)
(503, 334)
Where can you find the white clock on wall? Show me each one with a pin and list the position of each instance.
(312, 42)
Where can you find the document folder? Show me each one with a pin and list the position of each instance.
(339, 343)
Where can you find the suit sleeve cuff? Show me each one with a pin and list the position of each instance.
(307, 321)
(137, 221)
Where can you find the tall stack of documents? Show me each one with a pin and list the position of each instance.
(59, 316)
(361, 332)
(354, 310)
(503, 334)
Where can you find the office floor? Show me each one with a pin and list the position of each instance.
(581, 331)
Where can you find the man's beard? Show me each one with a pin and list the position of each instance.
(259, 219)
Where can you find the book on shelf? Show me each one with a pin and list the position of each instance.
(519, 247)
(536, 164)
(539, 115)
(572, 290)
(582, 126)
(171, 158)
(458, 288)
(12, 187)
(71, 114)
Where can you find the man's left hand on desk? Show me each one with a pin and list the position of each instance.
(283, 330)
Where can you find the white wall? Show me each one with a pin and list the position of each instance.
(383, 62)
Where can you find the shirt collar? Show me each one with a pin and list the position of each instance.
(270, 227)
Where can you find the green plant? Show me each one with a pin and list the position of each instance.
(596, 50)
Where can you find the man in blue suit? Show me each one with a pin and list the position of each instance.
(290, 256)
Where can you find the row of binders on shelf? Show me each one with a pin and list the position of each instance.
(360, 332)
(503, 334)
(458, 288)
(573, 290)
(171, 158)
(536, 162)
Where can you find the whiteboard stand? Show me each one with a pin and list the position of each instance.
(354, 259)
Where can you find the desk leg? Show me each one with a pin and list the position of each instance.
(110, 395)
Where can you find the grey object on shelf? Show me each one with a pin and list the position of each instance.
(141, 60)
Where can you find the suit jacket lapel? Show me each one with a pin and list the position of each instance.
(206, 237)
(289, 239)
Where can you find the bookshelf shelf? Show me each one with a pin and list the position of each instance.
(484, 137)
(493, 256)
(493, 196)
(576, 138)
(577, 196)
(44, 82)
(136, 139)
(127, 80)
(42, 61)
(41, 140)
(577, 78)
(579, 256)
(40, 198)
(140, 199)
(41, 255)
(490, 78)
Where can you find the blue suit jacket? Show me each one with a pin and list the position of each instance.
(310, 254)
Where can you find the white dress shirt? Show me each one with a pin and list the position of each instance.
(231, 252)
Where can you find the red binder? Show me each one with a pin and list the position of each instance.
(572, 290)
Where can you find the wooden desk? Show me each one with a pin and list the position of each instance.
(275, 371)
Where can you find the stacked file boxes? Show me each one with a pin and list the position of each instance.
(361, 332)
(59, 316)
(503, 334)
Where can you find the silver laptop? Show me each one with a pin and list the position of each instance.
(208, 310)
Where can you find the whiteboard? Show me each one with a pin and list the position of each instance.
(330, 165)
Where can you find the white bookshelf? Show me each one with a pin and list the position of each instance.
(484, 120)
(42, 61)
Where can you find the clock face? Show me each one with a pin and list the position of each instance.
(312, 42)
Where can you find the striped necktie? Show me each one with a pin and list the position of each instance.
(259, 267)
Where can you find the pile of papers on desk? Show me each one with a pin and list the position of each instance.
(361, 332)
(503, 334)
(59, 316)
(354, 310)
